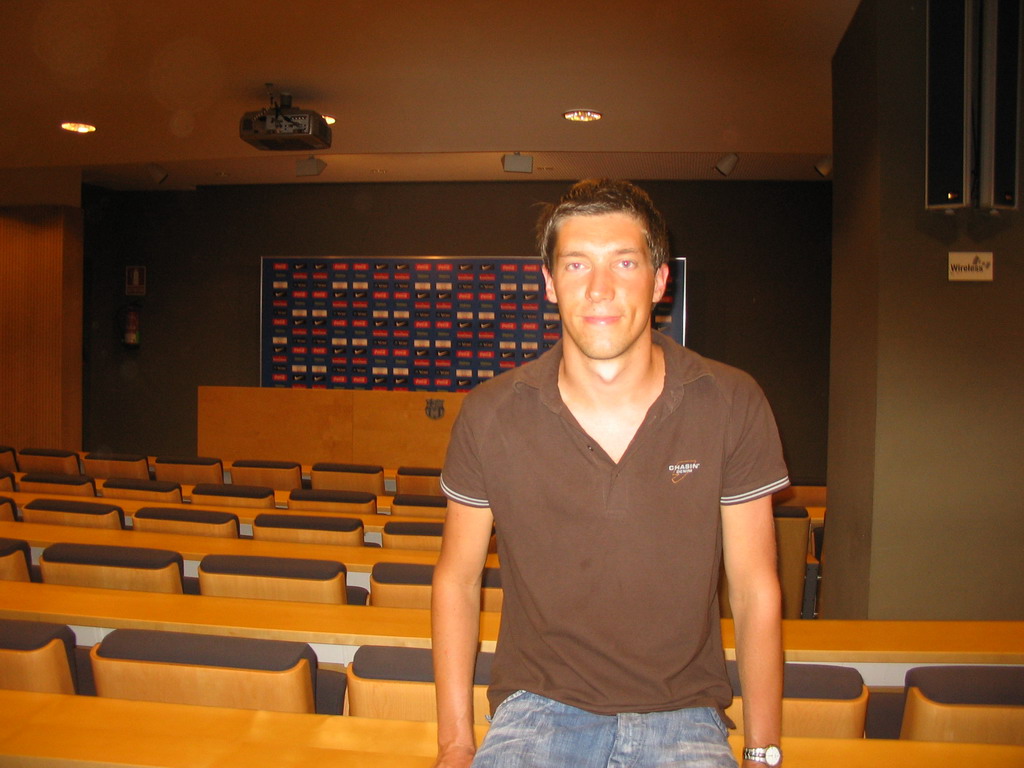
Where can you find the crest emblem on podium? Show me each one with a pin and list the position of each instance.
(434, 408)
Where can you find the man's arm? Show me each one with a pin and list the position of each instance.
(455, 617)
(748, 532)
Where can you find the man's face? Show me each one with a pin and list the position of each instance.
(604, 284)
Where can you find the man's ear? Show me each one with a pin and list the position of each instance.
(549, 285)
(660, 282)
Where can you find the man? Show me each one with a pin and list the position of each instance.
(615, 468)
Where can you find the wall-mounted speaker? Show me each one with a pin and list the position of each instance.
(999, 111)
(973, 96)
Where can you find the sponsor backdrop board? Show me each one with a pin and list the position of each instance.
(440, 324)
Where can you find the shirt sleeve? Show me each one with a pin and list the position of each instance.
(462, 478)
(754, 463)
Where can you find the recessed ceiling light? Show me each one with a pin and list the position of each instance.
(78, 127)
(582, 115)
(329, 119)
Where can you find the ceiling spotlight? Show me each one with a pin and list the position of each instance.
(329, 119)
(726, 163)
(78, 127)
(582, 115)
(824, 166)
(309, 166)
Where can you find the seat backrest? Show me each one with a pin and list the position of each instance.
(283, 475)
(8, 459)
(398, 684)
(6, 481)
(85, 514)
(15, 560)
(49, 460)
(330, 476)
(308, 529)
(189, 470)
(164, 491)
(51, 482)
(8, 510)
(978, 704)
(418, 481)
(220, 671)
(407, 585)
(111, 567)
(191, 522)
(818, 701)
(234, 495)
(273, 578)
(333, 502)
(419, 505)
(127, 465)
(403, 535)
(37, 656)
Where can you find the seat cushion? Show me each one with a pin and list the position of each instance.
(129, 484)
(186, 515)
(393, 663)
(345, 497)
(79, 507)
(105, 554)
(17, 635)
(308, 522)
(367, 469)
(280, 567)
(231, 489)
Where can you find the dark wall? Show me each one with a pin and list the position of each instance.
(758, 263)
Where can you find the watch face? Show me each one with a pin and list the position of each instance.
(772, 755)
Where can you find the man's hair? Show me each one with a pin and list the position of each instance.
(593, 197)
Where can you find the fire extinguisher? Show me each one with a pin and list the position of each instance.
(129, 322)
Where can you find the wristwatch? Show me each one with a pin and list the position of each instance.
(770, 755)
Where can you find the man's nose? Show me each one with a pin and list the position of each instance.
(600, 286)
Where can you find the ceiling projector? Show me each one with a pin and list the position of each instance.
(283, 127)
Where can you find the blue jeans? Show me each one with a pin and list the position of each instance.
(531, 731)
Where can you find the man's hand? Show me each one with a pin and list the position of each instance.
(455, 757)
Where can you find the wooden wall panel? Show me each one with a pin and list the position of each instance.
(41, 327)
(311, 425)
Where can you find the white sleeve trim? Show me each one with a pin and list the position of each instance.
(469, 501)
(757, 493)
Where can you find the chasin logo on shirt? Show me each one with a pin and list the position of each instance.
(682, 469)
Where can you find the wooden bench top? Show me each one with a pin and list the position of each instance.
(356, 559)
(63, 730)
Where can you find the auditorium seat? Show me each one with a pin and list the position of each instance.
(273, 578)
(333, 502)
(232, 495)
(164, 491)
(419, 505)
(85, 514)
(407, 585)
(49, 460)
(397, 683)
(8, 509)
(309, 529)
(191, 522)
(282, 475)
(6, 481)
(818, 701)
(328, 476)
(403, 535)
(15, 560)
(8, 459)
(111, 567)
(977, 704)
(37, 656)
(126, 465)
(209, 670)
(425, 481)
(189, 470)
(60, 484)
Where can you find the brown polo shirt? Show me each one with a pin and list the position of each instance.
(610, 571)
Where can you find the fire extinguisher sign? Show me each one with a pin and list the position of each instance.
(134, 281)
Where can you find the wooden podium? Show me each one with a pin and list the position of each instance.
(339, 425)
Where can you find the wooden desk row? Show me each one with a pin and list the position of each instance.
(195, 548)
(61, 730)
(372, 523)
(908, 643)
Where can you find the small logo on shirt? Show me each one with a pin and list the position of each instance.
(679, 471)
